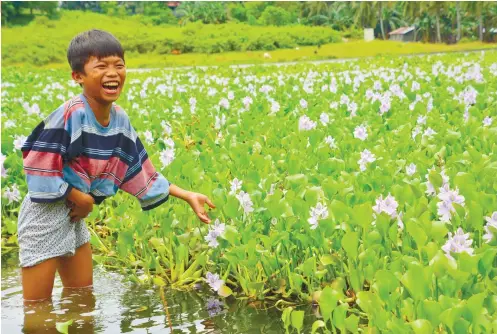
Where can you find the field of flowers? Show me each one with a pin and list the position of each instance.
(367, 188)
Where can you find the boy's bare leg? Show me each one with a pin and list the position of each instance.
(77, 271)
(38, 281)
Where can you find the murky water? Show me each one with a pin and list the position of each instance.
(116, 305)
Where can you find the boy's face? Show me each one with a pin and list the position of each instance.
(103, 79)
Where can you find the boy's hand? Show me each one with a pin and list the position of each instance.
(81, 206)
(197, 202)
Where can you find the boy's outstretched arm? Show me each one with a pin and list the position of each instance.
(195, 200)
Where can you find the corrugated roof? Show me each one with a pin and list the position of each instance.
(401, 31)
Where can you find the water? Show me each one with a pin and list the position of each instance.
(116, 305)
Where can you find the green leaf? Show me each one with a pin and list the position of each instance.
(285, 317)
(421, 326)
(350, 243)
(430, 310)
(314, 195)
(417, 233)
(297, 319)
(231, 207)
(256, 286)
(63, 327)
(339, 315)
(368, 301)
(475, 304)
(309, 266)
(486, 261)
(159, 281)
(327, 302)
(415, 283)
(330, 186)
(451, 315)
(352, 323)
(297, 180)
(339, 210)
(363, 215)
(316, 325)
(327, 259)
(385, 282)
(475, 216)
(231, 234)
(435, 179)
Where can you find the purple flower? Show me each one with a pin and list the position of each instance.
(214, 281)
(458, 243)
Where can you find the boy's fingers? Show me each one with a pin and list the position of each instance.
(210, 203)
(204, 217)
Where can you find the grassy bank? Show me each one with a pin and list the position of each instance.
(329, 51)
(44, 41)
(224, 44)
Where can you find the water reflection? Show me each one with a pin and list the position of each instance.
(77, 305)
(115, 305)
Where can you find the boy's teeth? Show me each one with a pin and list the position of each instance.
(111, 84)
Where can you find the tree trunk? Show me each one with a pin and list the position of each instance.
(381, 22)
(480, 26)
(458, 8)
(439, 39)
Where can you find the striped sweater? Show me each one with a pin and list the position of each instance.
(70, 148)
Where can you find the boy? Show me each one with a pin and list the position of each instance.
(80, 154)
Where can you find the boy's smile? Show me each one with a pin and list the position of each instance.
(103, 79)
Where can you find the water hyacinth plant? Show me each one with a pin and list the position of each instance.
(366, 188)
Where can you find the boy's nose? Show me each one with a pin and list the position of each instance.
(112, 72)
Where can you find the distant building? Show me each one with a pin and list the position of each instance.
(404, 34)
(173, 4)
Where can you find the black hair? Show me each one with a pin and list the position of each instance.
(97, 43)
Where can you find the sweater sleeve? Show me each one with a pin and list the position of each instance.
(143, 181)
(44, 153)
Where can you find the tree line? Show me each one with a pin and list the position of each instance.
(434, 21)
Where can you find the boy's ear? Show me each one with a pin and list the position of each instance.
(78, 77)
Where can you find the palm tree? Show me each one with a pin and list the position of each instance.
(492, 14)
(392, 19)
(186, 11)
(380, 15)
(340, 14)
(211, 12)
(314, 8)
(369, 12)
(425, 24)
(412, 14)
(435, 8)
(458, 9)
(479, 8)
(365, 13)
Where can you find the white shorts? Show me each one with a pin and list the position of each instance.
(45, 231)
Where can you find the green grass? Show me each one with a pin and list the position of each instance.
(329, 51)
